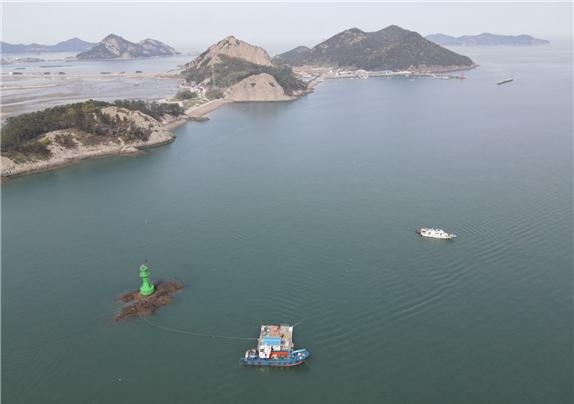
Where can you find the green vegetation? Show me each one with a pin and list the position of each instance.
(21, 134)
(391, 48)
(214, 94)
(65, 140)
(185, 94)
(153, 109)
(232, 70)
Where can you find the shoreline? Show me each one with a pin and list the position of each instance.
(129, 150)
(196, 113)
(199, 112)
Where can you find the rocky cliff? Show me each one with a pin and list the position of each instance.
(114, 47)
(259, 87)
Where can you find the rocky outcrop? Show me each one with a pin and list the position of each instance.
(233, 48)
(137, 305)
(259, 87)
(70, 145)
(116, 47)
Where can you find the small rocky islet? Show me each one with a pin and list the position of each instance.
(137, 305)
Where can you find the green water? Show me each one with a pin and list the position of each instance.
(306, 211)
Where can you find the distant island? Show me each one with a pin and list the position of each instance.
(486, 39)
(20, 60)
(115, 47)
(71, 45)
(391, 48)
(57, 136)
(237, 71)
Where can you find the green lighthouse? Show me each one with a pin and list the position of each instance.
(147, 287)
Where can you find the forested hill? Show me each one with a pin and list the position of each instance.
(391, 48)
(22, 135)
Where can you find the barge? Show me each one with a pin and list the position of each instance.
(275, 348)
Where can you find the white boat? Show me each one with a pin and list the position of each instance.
(435, 233)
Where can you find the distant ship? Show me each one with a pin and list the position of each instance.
(275, 348)
(435, 233)
(505, 81)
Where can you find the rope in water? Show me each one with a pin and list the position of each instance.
(195, 334)
(199, 334)
(298, 322)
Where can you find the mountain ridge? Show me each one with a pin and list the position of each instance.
(486, 39)
(116, 47)
(391, 48)
(70, 45)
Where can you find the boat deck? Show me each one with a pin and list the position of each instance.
(273, 333)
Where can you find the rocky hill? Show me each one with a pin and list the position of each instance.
(71, 45)
(259, 87)
(232, 48)
(114, 47)
(294, 57)
(392, 48)
(231, 61)
(486, 39)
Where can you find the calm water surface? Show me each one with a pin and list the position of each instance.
(285, 212)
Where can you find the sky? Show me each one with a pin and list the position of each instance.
(277, 26)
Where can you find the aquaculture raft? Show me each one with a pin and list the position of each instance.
(275, 348)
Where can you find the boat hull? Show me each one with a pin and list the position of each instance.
(440, 236)
(270, 362)
(296, 358)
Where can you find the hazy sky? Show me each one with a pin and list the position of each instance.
(276, 26)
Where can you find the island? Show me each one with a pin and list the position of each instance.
(61, 135)
(392, 48)
(71, 45)
(234, 70)
(115, 47)
(230, 70)
(486, 39)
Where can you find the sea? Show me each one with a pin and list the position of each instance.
(59, 78)
(305, 213)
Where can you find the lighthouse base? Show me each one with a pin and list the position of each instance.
(137, 304)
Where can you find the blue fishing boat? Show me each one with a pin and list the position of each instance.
(275, 348)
